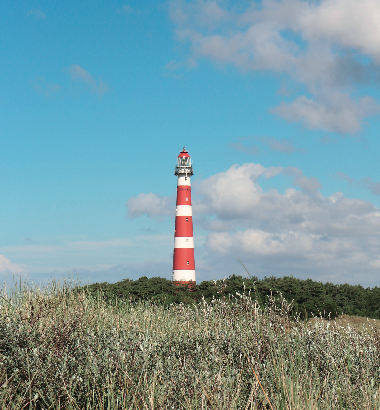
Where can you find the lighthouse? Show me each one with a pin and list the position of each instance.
(183, 256)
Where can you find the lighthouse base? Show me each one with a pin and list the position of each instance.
(183, 275)
(184, 278)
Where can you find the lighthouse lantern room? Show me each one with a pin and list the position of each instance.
(183, 256)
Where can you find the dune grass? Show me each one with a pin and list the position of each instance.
(61, 349)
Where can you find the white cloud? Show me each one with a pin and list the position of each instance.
(150, 204)
(351, 259)
(239, 183)
(341, 114)
(373, 187)
(237, 197)
(308, 185)
(366, 183)
(349, 23)
(327, 46)
(284, 233)
(80, 74)
(7, 266)
(296, 244)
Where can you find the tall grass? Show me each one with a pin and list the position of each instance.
(61, 349)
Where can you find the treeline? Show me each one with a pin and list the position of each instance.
(310, 298)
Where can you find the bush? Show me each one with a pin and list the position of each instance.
(309, 298)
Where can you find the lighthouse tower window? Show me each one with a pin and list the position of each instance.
(188, 262)
(187, 219)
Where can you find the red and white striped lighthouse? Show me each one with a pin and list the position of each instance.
(183, 257)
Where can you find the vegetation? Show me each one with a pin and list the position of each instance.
(309, 298)
(64, 349)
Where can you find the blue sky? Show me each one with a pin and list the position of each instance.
(277, 102)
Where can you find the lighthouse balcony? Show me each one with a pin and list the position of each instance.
(184, 170)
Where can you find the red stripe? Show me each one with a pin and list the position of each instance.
(183, 227)
(183, 192)
(180, 258)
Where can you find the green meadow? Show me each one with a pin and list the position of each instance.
(67, 347)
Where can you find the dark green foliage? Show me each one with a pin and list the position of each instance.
(310, 298)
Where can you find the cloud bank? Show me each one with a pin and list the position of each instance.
(110, 259)
(329, 47)
(299, 231)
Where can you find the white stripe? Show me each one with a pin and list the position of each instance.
(183, 242)
(186, 275)
(182, 180)
(184, 210)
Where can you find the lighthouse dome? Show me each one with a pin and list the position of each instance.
(183, 154)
